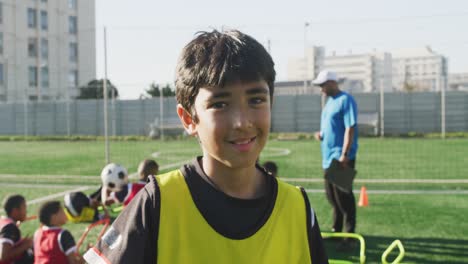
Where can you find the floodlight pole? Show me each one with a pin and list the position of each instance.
(442, 106)
(382, 106)
(161, 113)
(106, 132)
(306, 66)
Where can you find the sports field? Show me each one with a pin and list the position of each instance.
(418, 188)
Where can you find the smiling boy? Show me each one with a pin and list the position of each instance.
(222, 207)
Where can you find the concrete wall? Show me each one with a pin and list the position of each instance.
(404, 112)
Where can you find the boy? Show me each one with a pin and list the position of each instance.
(81, 208)
(146, 168)
(52, 244)
(13, 248)
(221, 207)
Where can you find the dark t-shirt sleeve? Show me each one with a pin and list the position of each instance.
(317, 251)
(67, 242)
(10, 234)
(132, 238)
(316, 246)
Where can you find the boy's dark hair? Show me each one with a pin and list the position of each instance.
(13, 201)
(147, 167)
(271, 167)
(217, 59)
(47, 210)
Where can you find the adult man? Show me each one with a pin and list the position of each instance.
(338, 136)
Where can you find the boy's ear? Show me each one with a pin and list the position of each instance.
(186, 119)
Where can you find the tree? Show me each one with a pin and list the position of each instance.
(94, 90)
(167, 91)
(155, 90)
(409, 87)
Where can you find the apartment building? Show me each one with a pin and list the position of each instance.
(419, 69)
(362, 72)
(357, 72)
(458, 81)
(47, 48)
(307, 66)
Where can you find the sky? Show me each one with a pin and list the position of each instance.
(145, 37)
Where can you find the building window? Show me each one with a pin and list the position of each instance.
(32, 76)
(73, 52)
(72, 25)
(1, 43)
(44, 48)
(45, 77)
(1, 74)
(32, 18)
(72, 4)
(32, 47)
(73, 78)
(44, 20)
(1, 13)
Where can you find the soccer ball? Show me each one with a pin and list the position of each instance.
(114, 177)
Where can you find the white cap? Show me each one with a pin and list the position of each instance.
(324, 76)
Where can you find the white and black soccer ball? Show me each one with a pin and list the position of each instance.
(114, 177)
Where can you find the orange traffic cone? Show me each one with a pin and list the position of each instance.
(363, 201)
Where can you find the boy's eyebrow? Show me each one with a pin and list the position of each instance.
(258, 90)
(255, 90)
(222, 94)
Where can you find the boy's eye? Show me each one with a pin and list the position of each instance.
(257, 100)
(218, 105)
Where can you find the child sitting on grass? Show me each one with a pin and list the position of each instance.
(13, 248)
(52, 244)
(81, 208)
(146, 168)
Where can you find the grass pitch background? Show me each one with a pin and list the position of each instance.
(431, 223)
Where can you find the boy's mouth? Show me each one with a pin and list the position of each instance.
(243, 144)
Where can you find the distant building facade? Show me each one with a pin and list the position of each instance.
(307, 66)
(362, 72)
(419, 69)
(47, 48)
(357, 72)
(458, 81)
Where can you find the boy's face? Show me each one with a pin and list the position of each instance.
(233, 122)
(22, 212)
(59, 218)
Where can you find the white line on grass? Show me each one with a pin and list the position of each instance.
(44, 186)
(463, 192)
(60, 194)
(383, 180)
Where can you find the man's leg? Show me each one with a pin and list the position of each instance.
(330, 191)
(347, 204)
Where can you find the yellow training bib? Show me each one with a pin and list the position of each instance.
(186, 237)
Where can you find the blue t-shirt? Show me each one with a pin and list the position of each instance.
(340, 112)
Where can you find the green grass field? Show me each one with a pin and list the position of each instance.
(432, 226)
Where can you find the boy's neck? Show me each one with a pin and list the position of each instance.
(242, 183)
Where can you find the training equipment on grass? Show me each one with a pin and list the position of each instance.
(362, 248)
(363, 200)
(104, 222)
(399, 258)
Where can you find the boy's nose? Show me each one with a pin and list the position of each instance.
(241, 119)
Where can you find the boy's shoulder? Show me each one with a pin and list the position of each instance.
(9, 231)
